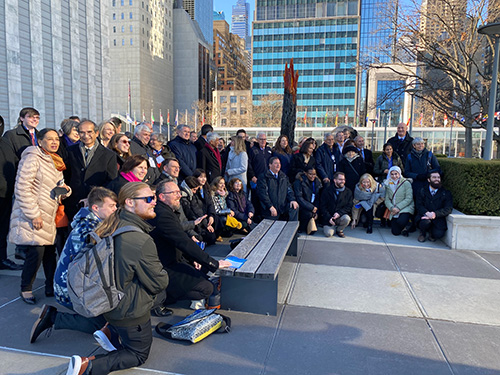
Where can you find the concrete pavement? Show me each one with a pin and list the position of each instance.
(365, 304)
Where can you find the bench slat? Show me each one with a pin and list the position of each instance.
(260, 251)
(248, 243)
(271, 265)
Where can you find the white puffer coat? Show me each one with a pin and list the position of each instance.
(36, 179)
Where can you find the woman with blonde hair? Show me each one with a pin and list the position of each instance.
(107, 130)
(237, 161)
(368, 194)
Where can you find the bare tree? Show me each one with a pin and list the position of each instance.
(268, 112)
(441, 37)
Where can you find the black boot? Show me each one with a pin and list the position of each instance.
(369, 230)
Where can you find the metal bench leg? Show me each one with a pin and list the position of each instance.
(258, 296)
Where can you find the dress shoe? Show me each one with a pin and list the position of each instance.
(80, 365)
(29, 300)
(340, 234)
(405, 233)
(432, 239)
(369, 230)
(161, 311)
(7, 264)
(421, 238)
(44, 322)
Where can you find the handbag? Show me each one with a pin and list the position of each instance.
(387, 214)
(311, 226)
(196, 326)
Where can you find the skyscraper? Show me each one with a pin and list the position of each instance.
(53, 57)
(322, 38)
(239, 21)
(200, 11)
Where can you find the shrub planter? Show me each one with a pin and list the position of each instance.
(472, 232)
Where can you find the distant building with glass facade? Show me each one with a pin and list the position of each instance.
(322, 38)
(239, 21)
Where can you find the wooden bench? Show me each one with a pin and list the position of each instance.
(254, 286)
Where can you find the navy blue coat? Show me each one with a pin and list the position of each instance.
(327, 161)
(185, 152)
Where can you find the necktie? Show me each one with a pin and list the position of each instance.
(86, 155)
(32, 136)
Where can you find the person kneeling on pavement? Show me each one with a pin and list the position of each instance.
(335, 206)
(138, 274)
(434, 203)
(101, 204)
(186, 264)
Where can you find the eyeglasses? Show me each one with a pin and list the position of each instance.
(124, 141)
(176, 192)
(148, 200)
(35, 117)
(262, 139)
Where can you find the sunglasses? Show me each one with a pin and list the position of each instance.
(148, 200)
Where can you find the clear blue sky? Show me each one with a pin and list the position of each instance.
(227, 7)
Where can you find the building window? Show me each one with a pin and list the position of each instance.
(114, 2)
(131, 41)
(223, 122)
(223, 99)
(130, 15)
(114, 29)
(122, 2)
(114, 16)
(114, 42)
(223, 110)
(143, 4)
(234, 99)
(123, 16)
(129, 2)
(131, 28)
(123, 29)
(123, 42)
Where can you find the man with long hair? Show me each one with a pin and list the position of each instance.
(138, 274)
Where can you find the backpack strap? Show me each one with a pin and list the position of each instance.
(125, 229)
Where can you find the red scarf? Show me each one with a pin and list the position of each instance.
(216, 153)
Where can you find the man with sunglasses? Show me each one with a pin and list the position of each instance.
(139, 274)
(188, 280)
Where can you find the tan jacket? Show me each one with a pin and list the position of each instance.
(36, 178)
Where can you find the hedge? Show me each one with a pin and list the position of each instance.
(474, 184)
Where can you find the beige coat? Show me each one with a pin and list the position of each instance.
(36, 177)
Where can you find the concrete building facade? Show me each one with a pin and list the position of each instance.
(141, 51)
(54, 56)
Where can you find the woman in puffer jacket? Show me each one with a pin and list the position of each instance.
(38, 192)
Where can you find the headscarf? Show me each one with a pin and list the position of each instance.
(393, 184)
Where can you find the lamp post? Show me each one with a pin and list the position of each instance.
(493, 30)
(373, 120)
(386, 111)
(412, 92)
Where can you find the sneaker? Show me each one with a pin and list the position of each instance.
(103, 338)
(44, 322)
(80, 365)
(7, 264)
(197, 304)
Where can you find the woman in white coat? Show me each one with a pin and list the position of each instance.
(38, 192)
(237, 161)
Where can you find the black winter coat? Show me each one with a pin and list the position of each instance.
(259, 161)
(327, 161)
(177, 251)
(368, 159)
(441, 203)
(353, 171)
(19, 138)
(100, 172)
(331, 203)
(8, 162)
(185, 152)
(209, 163)
(275, 192)
(304, 190)
(233, 204)
(402, 148)
(299, 164)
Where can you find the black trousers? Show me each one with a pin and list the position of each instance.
(398, 224)
(202, 290)
(36, 255)
(78, 323)
(5, 211)
(427, 226)
(136, 341)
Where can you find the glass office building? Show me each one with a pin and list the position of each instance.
(239, 20)
(322, 38)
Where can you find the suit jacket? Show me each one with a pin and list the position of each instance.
(100, 172)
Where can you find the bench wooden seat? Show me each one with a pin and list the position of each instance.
(254, 286)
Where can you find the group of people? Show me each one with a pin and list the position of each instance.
(57, 186)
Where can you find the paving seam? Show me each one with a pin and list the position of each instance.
(282, 313)
(18, 298)
(420, 307)
(486, 261)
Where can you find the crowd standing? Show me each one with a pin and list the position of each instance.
(59, 185)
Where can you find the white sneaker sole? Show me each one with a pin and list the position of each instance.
(75, 365)
(103, 341)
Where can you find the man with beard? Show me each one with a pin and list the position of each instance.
(335, 207)
(186, 264)
(138, 274)
(433, 204)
